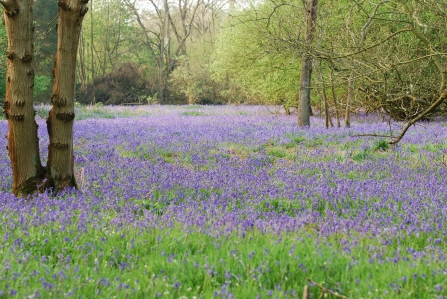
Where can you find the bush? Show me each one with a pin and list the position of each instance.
(125, 85)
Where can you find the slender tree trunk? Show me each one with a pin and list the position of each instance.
(168, 66)
(23, 145)
(161, 81)
(60, 168)
(92, 42)
(306, 65)
(113, 55)
(334, 96)
(106, 43)
(328, 118)
(82, 73)
(349, 100)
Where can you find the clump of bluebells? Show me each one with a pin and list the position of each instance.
(231, 202)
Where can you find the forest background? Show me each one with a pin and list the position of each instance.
(370, 55)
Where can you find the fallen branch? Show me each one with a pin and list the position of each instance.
(373, 135)
(306, 292)
(420, 116)
(325, 290)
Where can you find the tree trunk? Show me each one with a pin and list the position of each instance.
(106, 42)
(304, 104)
(161, 82)
(60, 168)
(328, 118)
(81, 63)
(23, 145)
(349, 100)
(306, 65)
(334, 96)
(92, 45)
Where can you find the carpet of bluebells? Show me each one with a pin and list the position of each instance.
(230, 202)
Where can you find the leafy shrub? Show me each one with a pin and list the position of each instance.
(125, 85)
(41, 84)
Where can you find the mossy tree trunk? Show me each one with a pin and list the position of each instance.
(60, 166)
(304, 107)
(23, 145)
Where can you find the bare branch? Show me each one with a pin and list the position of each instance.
(372, 135)
(367, 25)
(420, 116)
(366, 48)
(426, 42)
(325, 290)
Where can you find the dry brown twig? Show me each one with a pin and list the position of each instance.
(324, 290)
(79, 174)
(306, 292)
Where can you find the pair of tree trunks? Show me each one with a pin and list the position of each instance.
(304, 108)
(29, 175)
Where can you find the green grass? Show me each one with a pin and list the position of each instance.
(361, 155)
(281, 206)
(277, 151)
(382, 145)
(193, 113)
(143, 263)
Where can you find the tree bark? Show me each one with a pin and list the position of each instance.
(92, 44)
(23, 144)
(60, 168)
(334, 96)
(106, 42)
(349, 100)
(81, 64)
(306, 65)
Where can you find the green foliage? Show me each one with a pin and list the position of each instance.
(116, 41)
(191, 80)
(41, 84)
(296, 139)
(381, 145)
(157, 201)
(281, 206)
(193, 113)
(362, 155)
(45, 35)
(252, 59)
(277, 152)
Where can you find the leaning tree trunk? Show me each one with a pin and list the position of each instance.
(306, 65)
(23, 145)
(60, 168)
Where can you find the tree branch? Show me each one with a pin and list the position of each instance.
(426, 42)
(420, 116)
(323, 56)
(325, 290)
